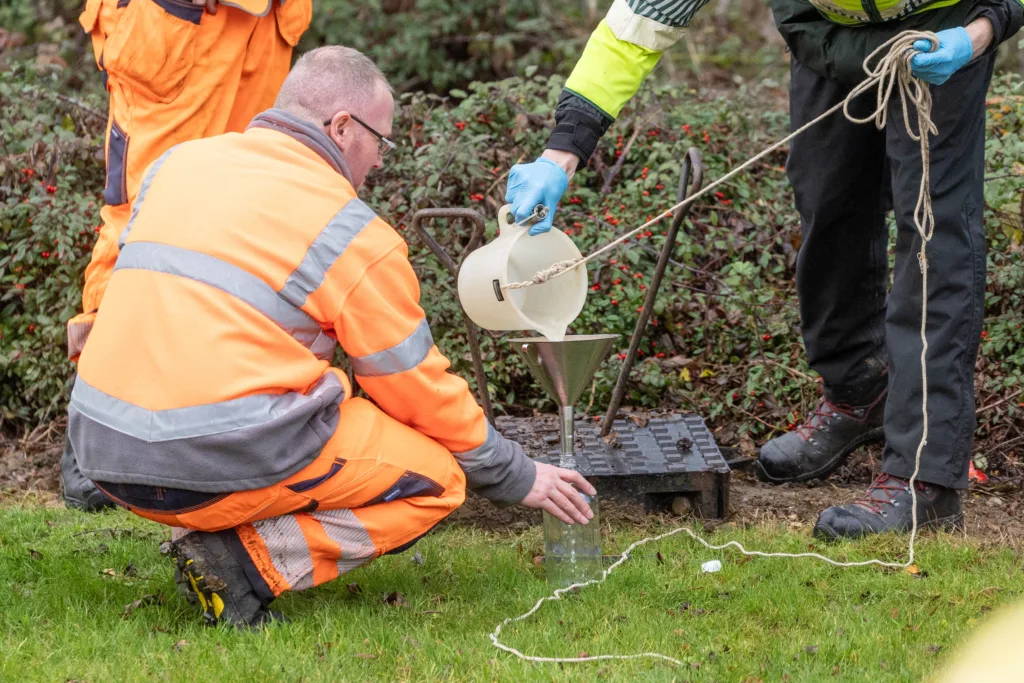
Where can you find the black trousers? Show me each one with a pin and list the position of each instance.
(860, 335)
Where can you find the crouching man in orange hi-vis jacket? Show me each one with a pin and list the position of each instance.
(205, 399)
(176, 70)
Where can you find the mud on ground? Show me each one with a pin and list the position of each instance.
(993, 512)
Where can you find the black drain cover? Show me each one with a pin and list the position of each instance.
(651, 462)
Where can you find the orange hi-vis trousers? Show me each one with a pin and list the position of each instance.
(376, 487)
(174, 73)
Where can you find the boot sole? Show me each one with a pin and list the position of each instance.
(201, 584)
(950, 523)
(834, 464)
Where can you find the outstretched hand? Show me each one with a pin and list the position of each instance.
(554, 491)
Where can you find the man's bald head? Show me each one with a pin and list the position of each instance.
(331, 79)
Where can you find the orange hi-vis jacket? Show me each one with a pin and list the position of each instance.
(208, 369)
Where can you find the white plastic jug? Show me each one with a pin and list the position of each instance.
(515, 256)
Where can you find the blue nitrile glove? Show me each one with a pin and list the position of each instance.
(954, 51)
(542, 182)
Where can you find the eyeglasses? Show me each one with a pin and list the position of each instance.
(384, 146)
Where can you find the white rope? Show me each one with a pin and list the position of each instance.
(891, 72)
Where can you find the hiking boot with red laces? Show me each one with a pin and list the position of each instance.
(886, 506)
(821, 444)
(208, 573)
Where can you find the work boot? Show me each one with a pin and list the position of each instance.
(79, 491)
(886, 506)
(208, 573)
(819, 446)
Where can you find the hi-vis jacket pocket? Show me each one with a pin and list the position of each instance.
(116, 190)
(153, 46)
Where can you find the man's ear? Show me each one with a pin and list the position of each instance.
(338, 131)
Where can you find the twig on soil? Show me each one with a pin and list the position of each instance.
(795, 373)
(1000, 402)
(772, 427)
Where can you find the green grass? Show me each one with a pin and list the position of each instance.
(61, 612)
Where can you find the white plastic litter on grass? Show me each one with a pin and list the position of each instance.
(711, 567)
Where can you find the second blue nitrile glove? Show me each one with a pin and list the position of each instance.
(542, 182)
(954, 51)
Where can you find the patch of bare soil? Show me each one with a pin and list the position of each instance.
(993, 512)
(31, 464)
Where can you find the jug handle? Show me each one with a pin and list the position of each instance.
(506, 224)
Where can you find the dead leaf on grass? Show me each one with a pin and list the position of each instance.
(659, 557)
(130, 570)
(321, 649)
(35, 554)
(180, 645)
(583, 655)
(109, 572)
(354, 588)
(811, 649)
(150, 599)
(396, 599)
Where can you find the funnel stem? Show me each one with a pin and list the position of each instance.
(567, 452)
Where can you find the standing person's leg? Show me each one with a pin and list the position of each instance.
(837, 169)
(267, 60)
(956, 302)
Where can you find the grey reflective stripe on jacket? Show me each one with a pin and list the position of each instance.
(236, 445)
(405, 355)
(327, 248)
(147, 180)
(229, 278)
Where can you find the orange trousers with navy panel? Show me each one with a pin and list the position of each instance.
(376, 488)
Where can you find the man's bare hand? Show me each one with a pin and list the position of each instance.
(554, 492)
(211, 5)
